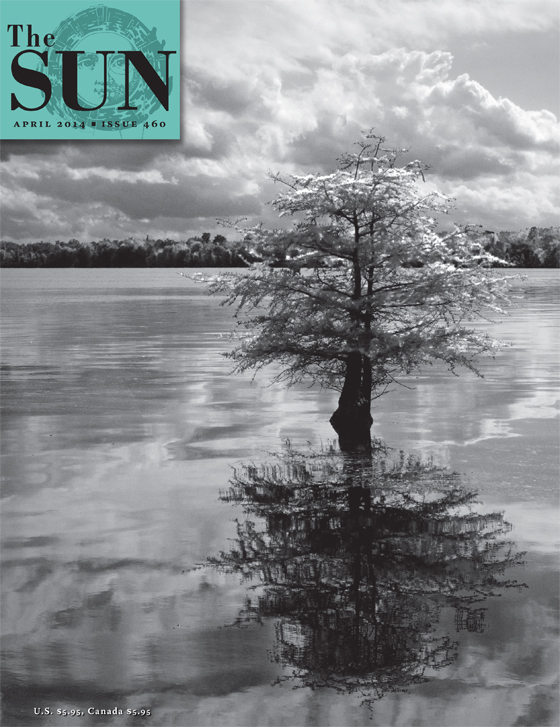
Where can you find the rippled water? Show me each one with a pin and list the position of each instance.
(120, 428)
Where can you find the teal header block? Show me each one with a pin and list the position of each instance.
(76, 69)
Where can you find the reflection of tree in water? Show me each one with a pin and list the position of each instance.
(356, 558)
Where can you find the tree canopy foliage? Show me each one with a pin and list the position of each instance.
(362, 288)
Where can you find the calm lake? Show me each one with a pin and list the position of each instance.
(121, 431)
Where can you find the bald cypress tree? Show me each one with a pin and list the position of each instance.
(362, 288)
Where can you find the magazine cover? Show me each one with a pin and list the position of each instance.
(279, 360)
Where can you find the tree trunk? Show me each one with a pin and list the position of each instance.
(352, 420)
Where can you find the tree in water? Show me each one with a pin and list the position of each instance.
(356, 558)
(362, 288)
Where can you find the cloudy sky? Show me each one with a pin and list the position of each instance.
(470, 86)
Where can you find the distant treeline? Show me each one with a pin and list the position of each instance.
(538, 247)
(195, 252)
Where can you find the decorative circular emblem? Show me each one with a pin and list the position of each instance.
(99, 34)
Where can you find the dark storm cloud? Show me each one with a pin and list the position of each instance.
(12, 148)
(542, 709)
(229, 95)
(320, 148)
(198, 196)
(465, 164)
(123, 155)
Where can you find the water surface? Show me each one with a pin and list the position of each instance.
(121, 425)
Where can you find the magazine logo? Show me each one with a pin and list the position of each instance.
(102, 73)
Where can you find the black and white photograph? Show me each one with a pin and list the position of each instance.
(280, 397)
